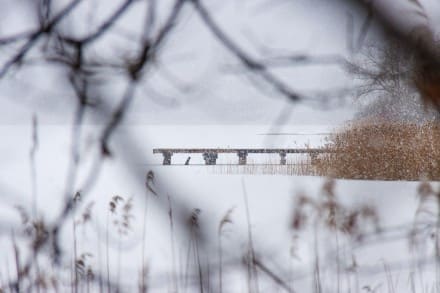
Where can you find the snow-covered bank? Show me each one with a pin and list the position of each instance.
(271, 203)
(290, 254)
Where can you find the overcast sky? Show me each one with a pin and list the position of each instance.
(197, 81)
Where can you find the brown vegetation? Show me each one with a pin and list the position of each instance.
(384, 151)
(296, 166)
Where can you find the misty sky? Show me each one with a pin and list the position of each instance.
(196, 80)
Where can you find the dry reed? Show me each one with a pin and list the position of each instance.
(383, 151)
(295, 166)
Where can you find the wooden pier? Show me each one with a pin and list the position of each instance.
(210, 155)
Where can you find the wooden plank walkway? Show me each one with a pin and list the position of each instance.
(210, 155)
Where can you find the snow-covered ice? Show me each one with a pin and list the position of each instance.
(271, 202)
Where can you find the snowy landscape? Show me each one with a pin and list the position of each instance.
(220, 146)
(389, 250)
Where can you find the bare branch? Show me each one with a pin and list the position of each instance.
(33, 38)
(108, 23)
(250, 63)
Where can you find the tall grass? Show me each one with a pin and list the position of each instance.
(384, 151)
(295, 166)
(333, 225)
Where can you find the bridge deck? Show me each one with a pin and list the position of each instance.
(244, 150)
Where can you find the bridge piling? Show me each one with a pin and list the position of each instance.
(167, 158)
(283, 156)
(242, 156)
(210, 158)
(313, 158)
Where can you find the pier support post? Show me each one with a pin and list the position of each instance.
(313, 158)
(167, 158)
(283, 158)
(242, 156)
(210, 158)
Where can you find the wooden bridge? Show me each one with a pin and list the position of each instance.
(210, 155)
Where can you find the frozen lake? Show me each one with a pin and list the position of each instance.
(271, 201)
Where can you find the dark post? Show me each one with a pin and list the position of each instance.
(283, 158)
(167, 158)
(210, 158)
(242, 155)
(313, 157)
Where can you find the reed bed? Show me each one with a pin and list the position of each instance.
(383, 151)
(294, 167)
